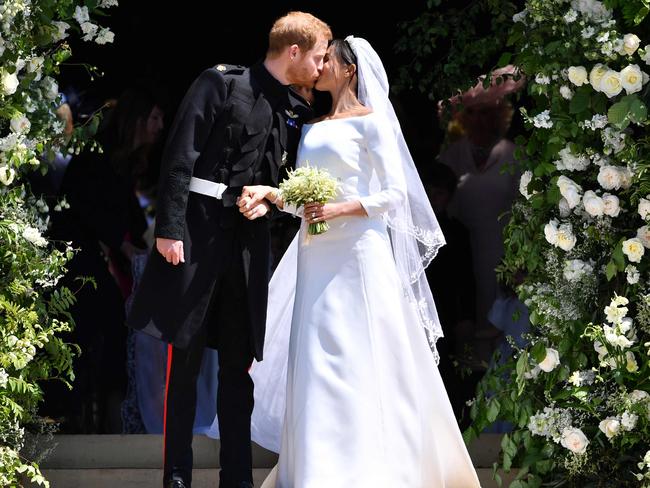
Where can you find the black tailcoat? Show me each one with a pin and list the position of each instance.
(236, 126)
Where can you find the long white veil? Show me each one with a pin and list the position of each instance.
(415, 237)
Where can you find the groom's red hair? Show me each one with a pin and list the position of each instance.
(298, 28)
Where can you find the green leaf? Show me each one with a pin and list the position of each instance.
(493, 409)
(504, 60)
(638, 111)
(617, 113)
(579, 102)
(610, 271)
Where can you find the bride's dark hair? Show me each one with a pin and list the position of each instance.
(345, 54)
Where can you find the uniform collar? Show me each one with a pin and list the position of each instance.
(270, 85)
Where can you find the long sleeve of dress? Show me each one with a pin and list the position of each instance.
(189, 134)
(384, 156)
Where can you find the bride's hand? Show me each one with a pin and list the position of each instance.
(251, 196)
(319, 212)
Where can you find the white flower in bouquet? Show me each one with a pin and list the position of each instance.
(611, 204)
(578, 75)
(643, 207)
(4, 378)
(34, 236)
(600, 160)
(646, 54)
(574, 269)
(598, 121)
(633, 249)
(565, 239)
(638, 396)
(81, 14)
(632, 274)
(601, 350)
(570, 190)
(520, 16)
(542, 79)
(309, 185)
(8, 82)
(581, 378)
(630, 362)
(610, 427)
(616, 310)
(90, 30)
(533, 373)
(614, 140)
(593, 204)
(571, 16)
(588, 32)
(610, 177)
(564, 208)
(7, 175)
(574, 440)
(524, 181)
(592, 10)
(50, 88)
(611, 84)
(596, 75)
(543, 120)
(643, 234)
(616, 339)
(20, 124)
(566, 92)
(632, 79)
(551, 361)
(631, 43)
(571, 162)
(34, 65)
(550, 232)
(107, 3)
(61, 30)
(105, 36)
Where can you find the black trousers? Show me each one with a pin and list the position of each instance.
(228, 319)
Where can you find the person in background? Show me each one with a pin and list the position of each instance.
(483, 160)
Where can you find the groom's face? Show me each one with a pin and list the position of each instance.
(307, 65)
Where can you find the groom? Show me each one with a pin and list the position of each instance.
(206, 284)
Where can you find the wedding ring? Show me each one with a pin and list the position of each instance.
(313, 215)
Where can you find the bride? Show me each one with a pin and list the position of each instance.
(349, 392)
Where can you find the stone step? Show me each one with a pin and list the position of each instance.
(145, 451)
(152, 478)
(130, 461)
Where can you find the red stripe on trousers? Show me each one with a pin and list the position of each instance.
(170, 350)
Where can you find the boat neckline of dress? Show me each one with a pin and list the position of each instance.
(341, 118)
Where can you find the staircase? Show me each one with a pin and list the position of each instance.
(130, 461)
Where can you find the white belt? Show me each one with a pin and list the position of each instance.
(207, 187)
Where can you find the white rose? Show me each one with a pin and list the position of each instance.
(593, 204)
(611, 84)
(566, 240)
(644, 208)
(551, 361)
(631, 43)
(643, 234)
(646, 54)
(20, 124)
(34, 236)
(609, 177)
(35, 64)
(596, 75)
(550, 232)
(633, 249)
(565, 209)
(566, 92)
(625, 175)
(638, 396)
(578, 75)
(8, 82)
(525, 179)
(574, 440)
(612, 205)
(632, 78)
(610, 427)
(7, 175)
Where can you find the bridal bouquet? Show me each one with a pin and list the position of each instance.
(309, 185)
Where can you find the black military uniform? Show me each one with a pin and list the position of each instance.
(235, 126)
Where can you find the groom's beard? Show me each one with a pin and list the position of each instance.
(301, 75)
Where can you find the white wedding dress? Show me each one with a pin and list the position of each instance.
(365, 404)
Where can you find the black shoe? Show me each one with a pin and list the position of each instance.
(176, 484)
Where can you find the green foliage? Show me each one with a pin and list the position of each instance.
(34, 310)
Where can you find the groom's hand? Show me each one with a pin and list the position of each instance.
(171, 250)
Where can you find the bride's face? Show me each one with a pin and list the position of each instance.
(335, 73)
